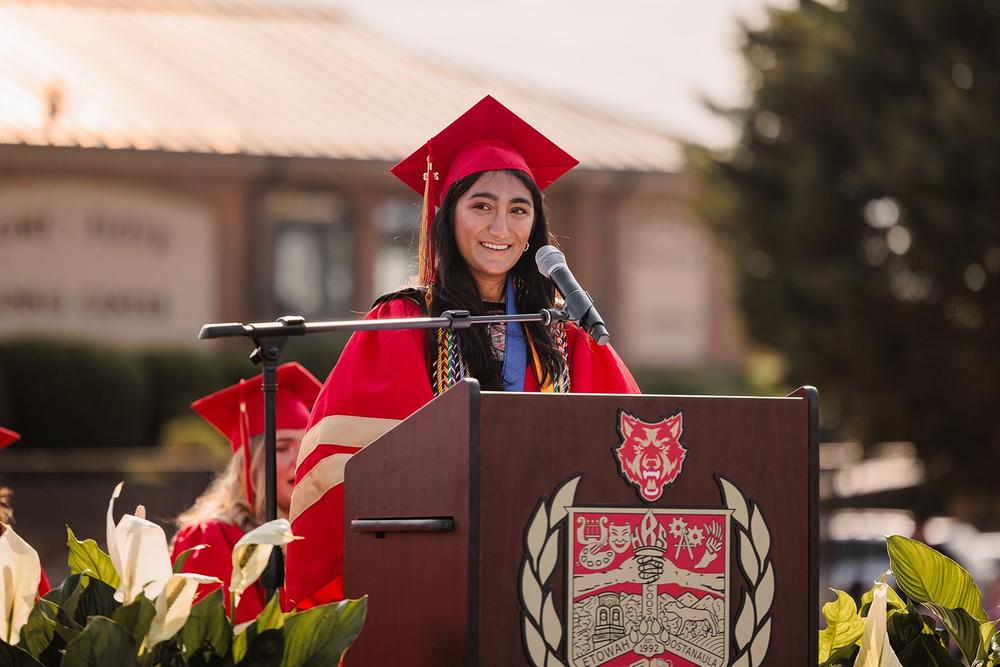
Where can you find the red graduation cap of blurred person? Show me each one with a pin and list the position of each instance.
(238, 411)
(8, 437)
(487, 137)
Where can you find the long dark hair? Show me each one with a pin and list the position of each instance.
(455, 288)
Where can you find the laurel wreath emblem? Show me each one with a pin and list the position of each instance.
(752, 630)
(541, 629)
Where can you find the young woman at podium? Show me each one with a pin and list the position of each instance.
(483, 218)
(233, 504)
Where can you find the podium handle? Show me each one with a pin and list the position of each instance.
(387, 525)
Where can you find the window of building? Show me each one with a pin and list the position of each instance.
(396, 256)
(669, 325)
(313, 253)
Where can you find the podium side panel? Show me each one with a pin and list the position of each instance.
(419, 598)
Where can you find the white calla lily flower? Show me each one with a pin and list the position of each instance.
(173, 606)
(875, 648)
(20, 572)
(252, 552)
(138, 550)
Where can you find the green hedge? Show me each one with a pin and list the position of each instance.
(78, 393)
(70, 393)
(703, 381)
(175, 378)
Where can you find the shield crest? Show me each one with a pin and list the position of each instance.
(648, 587)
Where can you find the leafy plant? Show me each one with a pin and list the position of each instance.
(940, 614)
(101, 615)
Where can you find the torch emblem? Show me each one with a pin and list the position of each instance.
(649, 588)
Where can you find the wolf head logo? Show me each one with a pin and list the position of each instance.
(650, 455)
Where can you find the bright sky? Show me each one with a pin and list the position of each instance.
(654, 60)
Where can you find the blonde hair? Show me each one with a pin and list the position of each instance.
(6, 509)
(225, 499)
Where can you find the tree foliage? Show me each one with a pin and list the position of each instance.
(862, 208)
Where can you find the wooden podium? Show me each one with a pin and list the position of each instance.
(474, 526)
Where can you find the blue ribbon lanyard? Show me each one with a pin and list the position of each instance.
(515, 356)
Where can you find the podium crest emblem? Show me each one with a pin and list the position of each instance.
(650, 454)
(648, 587)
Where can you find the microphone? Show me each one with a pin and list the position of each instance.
(552, 264)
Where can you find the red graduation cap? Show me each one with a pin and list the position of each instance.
(237, 412)
(8, 437)
(487, 137)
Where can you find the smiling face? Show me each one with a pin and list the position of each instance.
(286, 452)
(493, 222)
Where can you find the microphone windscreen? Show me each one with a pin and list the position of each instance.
(547, 258)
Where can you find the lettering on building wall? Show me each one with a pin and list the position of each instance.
(30, 301)
(105, 227)
(27, 226)
(105, 259)
(125, 304)
(100, 227)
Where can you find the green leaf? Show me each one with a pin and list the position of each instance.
(993, 650)
(842, 657)
(207, 630)
(985, 634)
(96, 599)
(962, 627)
(265, 649)
(135, 618)
(988, 636)
(166, 654)
(87, 557)
(272, 617)
(903, 627)
(59, 595)
(319, 636)
(843, 625)
(926, 651)
(39, 630)
(928, 576)
(183, 556)
(13, 656)
(67, 597)
(240, 646)
(892, 601)
(103, 642)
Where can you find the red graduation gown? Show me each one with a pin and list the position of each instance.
(216, 561)
(381, 379)
(43, 584)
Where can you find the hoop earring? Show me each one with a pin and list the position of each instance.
(526, 246)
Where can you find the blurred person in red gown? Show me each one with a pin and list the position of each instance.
(233, 504)
(8, 437)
